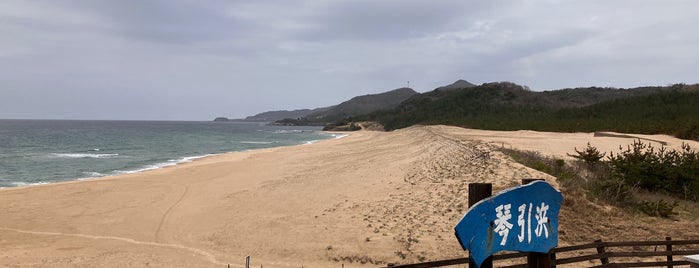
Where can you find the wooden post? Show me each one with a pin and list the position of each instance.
(538, 260)
(668, 248)
(247, 262)
(535, 259)
(478, 192)
(600, 250)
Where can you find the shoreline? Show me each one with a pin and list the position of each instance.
(365, 200)
(125, 181)
(168, 164)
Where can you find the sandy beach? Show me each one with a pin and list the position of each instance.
(363, 200)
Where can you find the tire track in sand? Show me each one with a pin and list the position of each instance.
(204, 254)
(167, 213)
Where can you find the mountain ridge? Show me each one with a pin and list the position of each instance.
(272, 116)
(509, 106)
(364, 104)
(668, 110)
(356, 106)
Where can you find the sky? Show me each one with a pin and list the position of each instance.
(196, 60)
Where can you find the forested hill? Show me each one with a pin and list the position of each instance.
(670, 110)
(359, 105)
(272, 116)
(364, 104)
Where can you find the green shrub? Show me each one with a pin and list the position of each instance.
(590, 155)
(619, 177)
(658, 208)
(670, 171)
(613, 191)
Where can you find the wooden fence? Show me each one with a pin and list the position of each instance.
(597, 254)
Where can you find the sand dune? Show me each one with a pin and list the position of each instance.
(371, 197)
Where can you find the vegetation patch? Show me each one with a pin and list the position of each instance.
(659, 208)
(668, 110)
(619, 177)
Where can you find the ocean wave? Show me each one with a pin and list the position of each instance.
(258, 142)
(22, 183)
(83, 155)
(334, 136)
(339, 136)
(93, 174)
(171, 162)
(287, 131)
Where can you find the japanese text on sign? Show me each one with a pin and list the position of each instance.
(503, 226)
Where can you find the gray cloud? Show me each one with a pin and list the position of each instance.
(384, 20)
(161, 21)
(193, 60)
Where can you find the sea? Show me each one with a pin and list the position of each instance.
(48, 151)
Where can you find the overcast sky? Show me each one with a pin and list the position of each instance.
(195, 60)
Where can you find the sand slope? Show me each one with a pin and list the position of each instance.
(372, 197)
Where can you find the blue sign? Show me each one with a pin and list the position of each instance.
(523, 219)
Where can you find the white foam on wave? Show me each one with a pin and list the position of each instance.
(339, 136)
(287, 131)
(22, 183)
(92, 175)
(258, 142)
(171, 162)
(83, 155)
(334, 136)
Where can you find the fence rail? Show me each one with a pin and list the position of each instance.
(598, 254)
